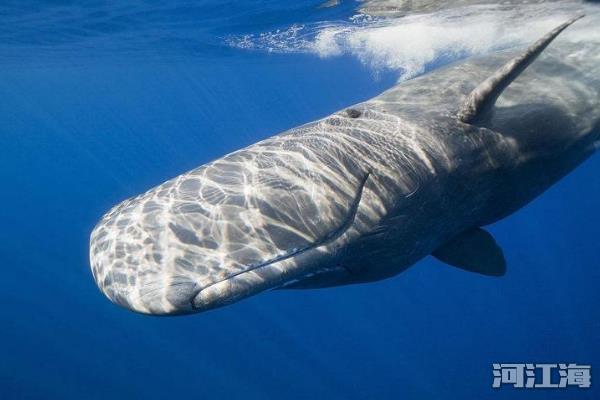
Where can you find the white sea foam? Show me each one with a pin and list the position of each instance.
(410, 43)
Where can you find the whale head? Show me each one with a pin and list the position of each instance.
(245, 223)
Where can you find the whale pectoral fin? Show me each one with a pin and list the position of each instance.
(474, 250)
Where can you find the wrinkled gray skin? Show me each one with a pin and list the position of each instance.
(358, 196)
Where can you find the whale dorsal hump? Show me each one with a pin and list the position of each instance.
(481, 100)
(474, 250)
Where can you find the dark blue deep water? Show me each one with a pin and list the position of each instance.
(99, 102)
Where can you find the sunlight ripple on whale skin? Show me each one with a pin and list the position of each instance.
(364, 193)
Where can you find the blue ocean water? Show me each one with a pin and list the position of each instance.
(101, 101)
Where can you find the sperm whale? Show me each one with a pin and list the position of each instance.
(364, 193)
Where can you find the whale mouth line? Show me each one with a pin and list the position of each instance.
(330, 237)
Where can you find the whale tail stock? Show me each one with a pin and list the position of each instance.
(476, 107)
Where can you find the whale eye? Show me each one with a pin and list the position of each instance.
(353, 112)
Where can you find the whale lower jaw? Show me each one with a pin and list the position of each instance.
(230, 290)
(248, 283)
